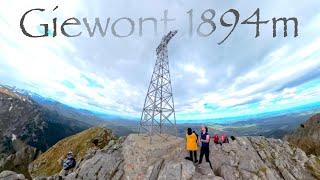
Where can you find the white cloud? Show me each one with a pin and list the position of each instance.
(245, 75)
(198, 72)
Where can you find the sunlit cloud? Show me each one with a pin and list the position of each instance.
(110, 75)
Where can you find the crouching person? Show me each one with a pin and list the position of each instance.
(67, 165)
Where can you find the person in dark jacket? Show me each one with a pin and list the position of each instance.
(204, 151)
(67, 164)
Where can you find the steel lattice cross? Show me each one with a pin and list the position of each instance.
(158, 114)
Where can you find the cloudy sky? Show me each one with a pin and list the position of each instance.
(242, 77)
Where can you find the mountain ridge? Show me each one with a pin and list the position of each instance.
(26, 129)
(307, 136)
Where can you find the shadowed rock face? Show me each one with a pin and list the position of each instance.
(20, 160)
(243, 158)
(307, 136)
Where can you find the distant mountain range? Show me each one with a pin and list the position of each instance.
(271, 127)
(117, 124)
(27, 128)
(275, 126)
(24, 119)
(30, 124)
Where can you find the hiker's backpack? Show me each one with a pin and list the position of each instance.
(196, 136)
(216, 138)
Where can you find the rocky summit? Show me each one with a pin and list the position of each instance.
(135, 158)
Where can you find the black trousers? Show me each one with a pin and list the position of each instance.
(194, 153)
(204, 151)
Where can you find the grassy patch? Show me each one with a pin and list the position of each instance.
(314, 167)
(49, 163)
(262, 170)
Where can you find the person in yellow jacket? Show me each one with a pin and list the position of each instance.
(192, 145)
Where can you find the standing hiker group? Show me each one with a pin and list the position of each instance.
(193, 140)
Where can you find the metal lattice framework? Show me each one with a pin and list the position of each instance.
(158, 114)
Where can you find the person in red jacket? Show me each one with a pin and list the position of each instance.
(224, 138)
(216, 139)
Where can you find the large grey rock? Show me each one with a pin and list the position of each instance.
(10, 175)
(176, 170)
(153, 170)
(259, 158)
(142, 158)
(104, 164)
(188, 170)
(171, 170)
